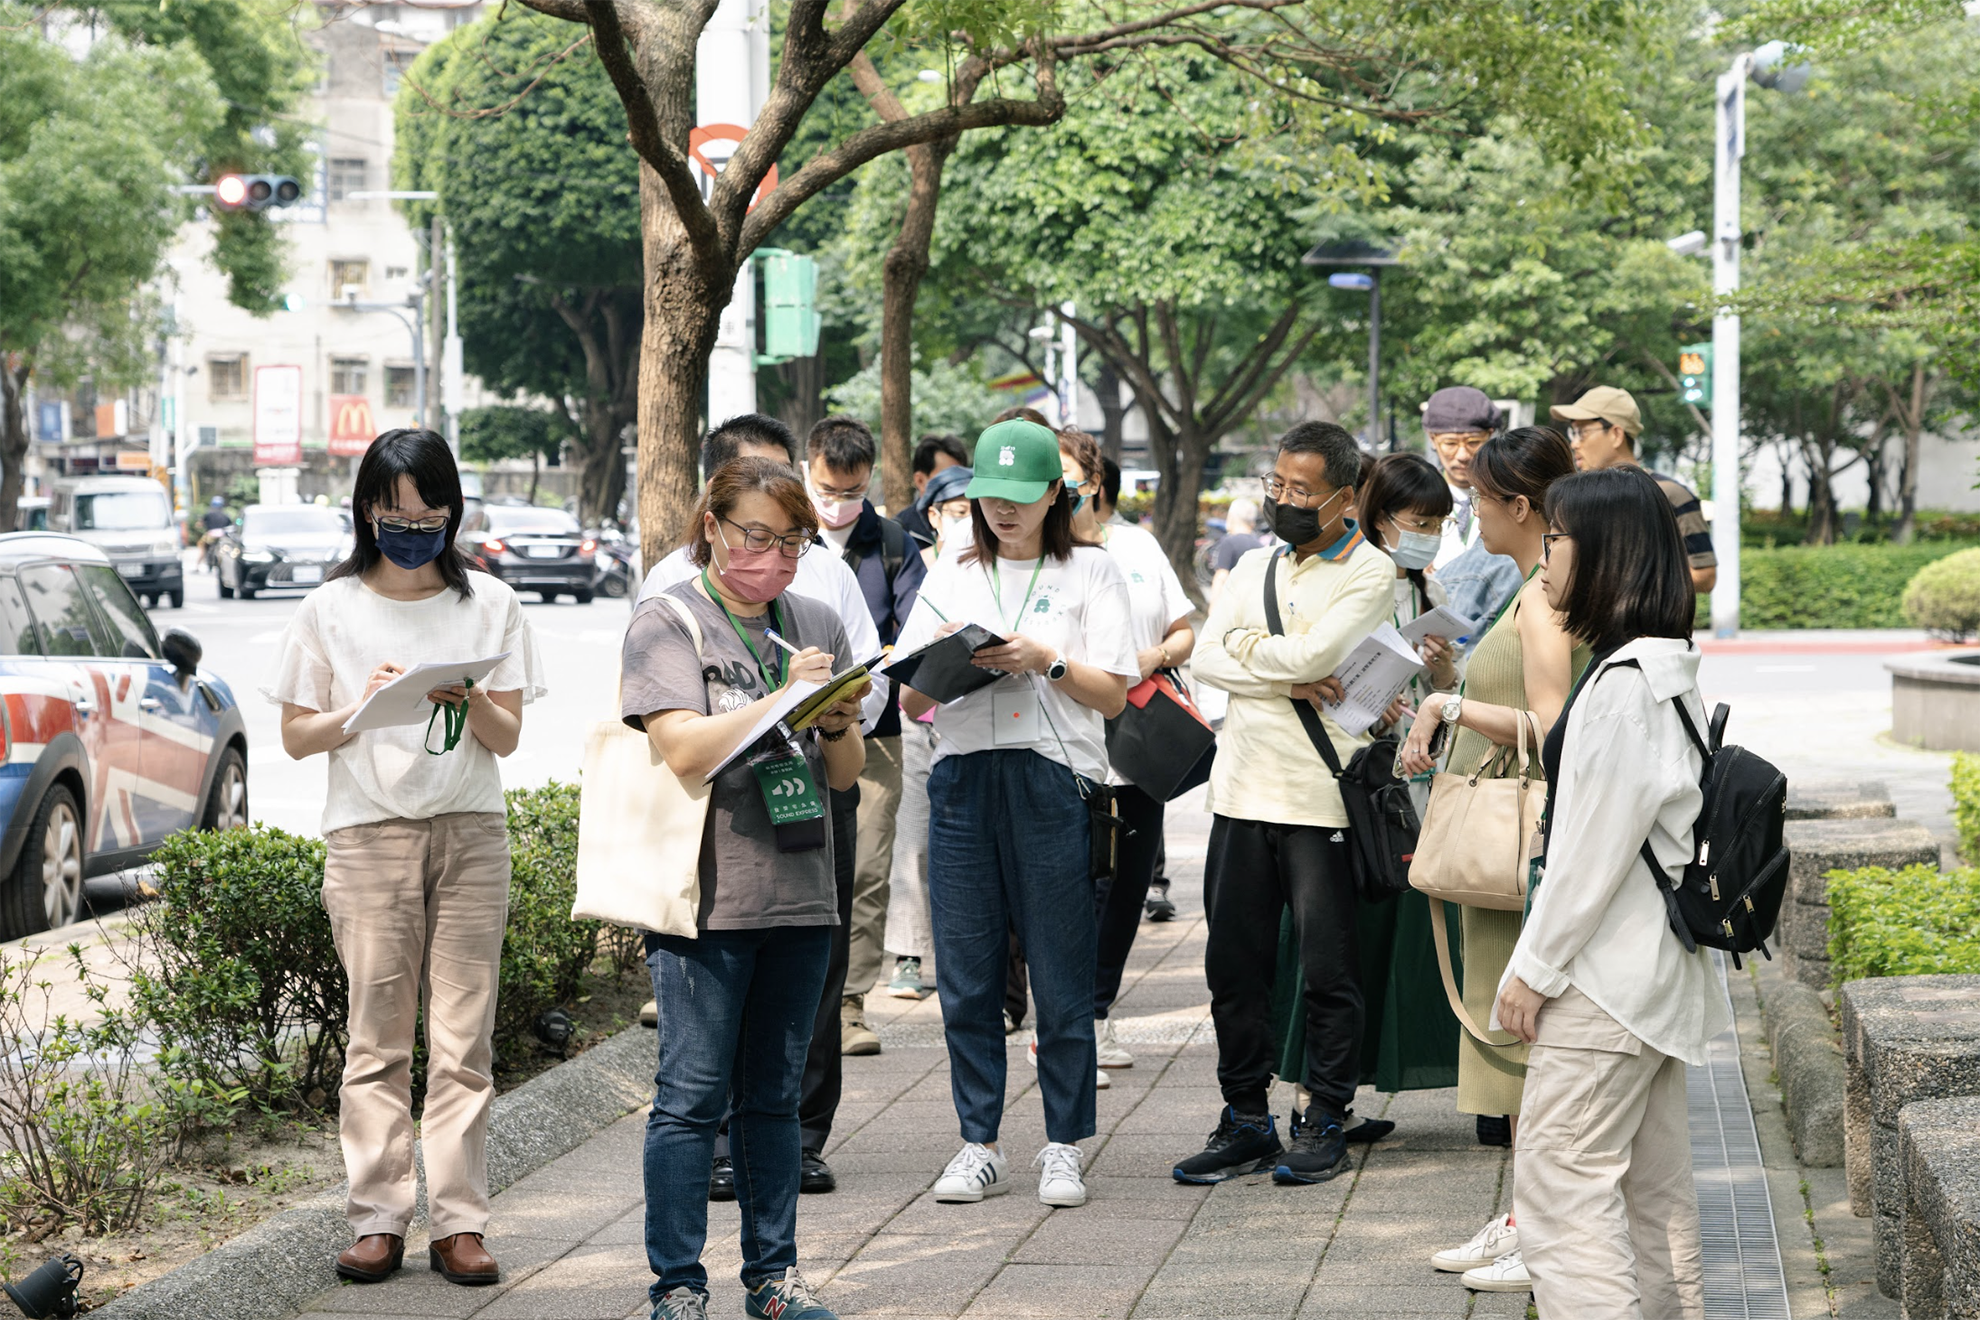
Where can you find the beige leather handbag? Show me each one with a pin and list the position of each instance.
(639, 829)
(1477, 839)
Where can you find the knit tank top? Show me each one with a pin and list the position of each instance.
(1496, 675)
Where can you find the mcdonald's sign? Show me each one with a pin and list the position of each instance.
(351, 427)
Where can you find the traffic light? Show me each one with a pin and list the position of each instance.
(1695, 374)
(255, 192)
(790, 298)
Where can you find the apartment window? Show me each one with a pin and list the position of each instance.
(347, 374)
(226, 376)
(346, 176)
(348, 275)
(396, 64)
(396, 272)
(398, 387)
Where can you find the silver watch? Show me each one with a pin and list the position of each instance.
(1452, 708)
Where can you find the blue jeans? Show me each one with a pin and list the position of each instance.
(1008, 849)
(736, 1009)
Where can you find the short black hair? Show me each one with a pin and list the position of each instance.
(1110, 482)
(931, 445)
(1631, 577)
(1334, 445)
(845, 443)
(725, 440)
(423, 456)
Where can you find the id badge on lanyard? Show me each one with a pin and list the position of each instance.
(1015, 709)
(790, 796)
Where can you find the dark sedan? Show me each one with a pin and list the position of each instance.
(281, 547)
(532, 549)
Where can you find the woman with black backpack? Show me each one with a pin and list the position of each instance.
(1599, 985)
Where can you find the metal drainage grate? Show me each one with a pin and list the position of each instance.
(1741, 1254)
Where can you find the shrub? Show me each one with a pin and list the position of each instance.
(235, 968)
(1835, 586)
(545, 952)
(1903, 923)
(1944, 596)
(1966, 803)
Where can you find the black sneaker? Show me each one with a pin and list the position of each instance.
(1157, 905)
(1318, 1153)
(815, 1175)
(1242, 1143)
(722, 1180)
(1366, 1132)
(1494, 1130)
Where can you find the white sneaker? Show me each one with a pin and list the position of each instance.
(1112, 1053)
(1100, 1079)
(1060, 1182)
(1493, 1241)
(1506, 1274)
(975, 1172)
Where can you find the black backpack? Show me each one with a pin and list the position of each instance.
(1729, 895)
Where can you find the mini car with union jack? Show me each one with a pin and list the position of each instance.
(114, 738)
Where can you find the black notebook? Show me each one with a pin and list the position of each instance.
(942, 670)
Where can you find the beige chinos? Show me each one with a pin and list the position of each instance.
(418, 908)
(1608, 1222)
(879, 803)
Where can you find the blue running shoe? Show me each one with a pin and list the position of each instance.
(681, 1304)
(784, 1297)
(1318, 1153)
(1242, 1143)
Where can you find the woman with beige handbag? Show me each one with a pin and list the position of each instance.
(1485, 807)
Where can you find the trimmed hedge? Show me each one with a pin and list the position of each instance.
(1966, 803)
(1944, 596)
(1913, 922)
(1834, 586)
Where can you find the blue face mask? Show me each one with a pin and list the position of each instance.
(410, 550)
(1077, 501)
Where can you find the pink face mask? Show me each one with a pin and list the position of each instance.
(834, 513)
(756, 575)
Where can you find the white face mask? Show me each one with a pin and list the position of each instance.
(1415, 550)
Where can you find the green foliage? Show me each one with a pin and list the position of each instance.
(235, 968)
(501, 431)
(544, 952)
(948, 397)
(1837, 586)
(1913, 922)
(1944, 596)
(1966, 803)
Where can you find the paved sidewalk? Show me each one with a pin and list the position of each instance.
(569, 1236)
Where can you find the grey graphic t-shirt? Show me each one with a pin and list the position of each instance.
(746, 884)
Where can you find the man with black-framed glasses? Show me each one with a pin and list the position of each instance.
(1602, 427)
(1459, 420)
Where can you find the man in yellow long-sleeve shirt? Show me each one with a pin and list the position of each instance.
(1279, 834)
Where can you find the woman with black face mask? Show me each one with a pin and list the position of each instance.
(416, 866)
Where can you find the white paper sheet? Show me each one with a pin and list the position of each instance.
(788, 700)
(1374, 673)
(1441, 622)
(403, 700)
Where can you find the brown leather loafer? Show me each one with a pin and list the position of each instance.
(372, 1258)
(462, 1259)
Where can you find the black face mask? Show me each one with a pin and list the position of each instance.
(1292, 524)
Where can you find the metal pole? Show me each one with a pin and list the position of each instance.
(1374, 357)
(418, 301)
(436, 249)
(451, 385)
(1730, 146)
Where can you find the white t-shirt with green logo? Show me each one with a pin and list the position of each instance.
(1079, 606)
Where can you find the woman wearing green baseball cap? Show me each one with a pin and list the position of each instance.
(1009, 833)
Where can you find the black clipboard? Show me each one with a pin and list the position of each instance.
(941, 670)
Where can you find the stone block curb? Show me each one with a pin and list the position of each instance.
(283, 1263)
(1808, 1065)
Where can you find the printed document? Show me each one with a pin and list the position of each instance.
(404, 701)
(1443, 622)
(1373, 675)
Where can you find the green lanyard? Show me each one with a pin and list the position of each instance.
(773, 677)
(453, 724)
(997, 585)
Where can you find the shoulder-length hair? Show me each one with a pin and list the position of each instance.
(423, 456)
(737, 478)
(1630, 576)
(1057, 533)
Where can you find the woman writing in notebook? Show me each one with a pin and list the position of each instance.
(1009, 833)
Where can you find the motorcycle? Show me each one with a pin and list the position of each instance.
(614, 575)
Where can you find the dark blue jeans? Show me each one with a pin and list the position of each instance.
(1008, 840)
(736, 1009)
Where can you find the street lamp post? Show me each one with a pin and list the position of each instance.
(415, 303)
(1370, 280)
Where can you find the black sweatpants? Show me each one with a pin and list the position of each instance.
(1118, 902)
(1255, 870)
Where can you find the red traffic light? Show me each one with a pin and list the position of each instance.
(255, 192)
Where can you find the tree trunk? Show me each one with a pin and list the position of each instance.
(1179, 457)
(1112, 411)
(906, 264)
(14, 372)
(1873, 506)
(535, 473)
(601, 468)
(1914, 431)
(804, 405)
(685, 296)
(1821, 497)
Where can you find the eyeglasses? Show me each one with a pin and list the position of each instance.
(755, 538)
(1547, 540)
(1424, 524)
(1469, 441)
(840, 492)
(1279, 492)
(386, 523)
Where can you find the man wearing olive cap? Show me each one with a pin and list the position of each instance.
(1602, 428)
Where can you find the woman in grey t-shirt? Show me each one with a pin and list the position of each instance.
(736, 1003)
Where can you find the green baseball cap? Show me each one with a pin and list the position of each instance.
(1016, 461)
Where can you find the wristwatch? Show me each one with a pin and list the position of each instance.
(1452, 708)
(1056, 670)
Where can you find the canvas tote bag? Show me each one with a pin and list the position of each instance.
(639, 829)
